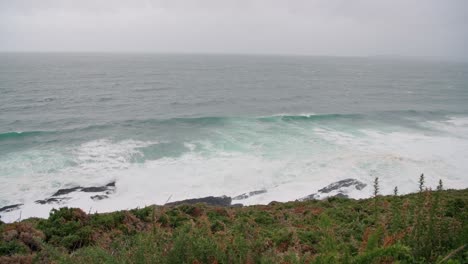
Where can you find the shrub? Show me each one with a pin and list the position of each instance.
(176, 218)
(107, 221)
(67, 227)
(12, 247)
(264, 218)
(193, 246)
(143, 213)
(308, 237)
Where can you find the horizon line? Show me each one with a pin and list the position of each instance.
(122, 52)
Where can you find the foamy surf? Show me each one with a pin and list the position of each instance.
(287, 159)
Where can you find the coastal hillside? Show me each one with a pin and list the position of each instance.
(233, 132)
(425, 227)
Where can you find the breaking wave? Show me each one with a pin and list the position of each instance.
(288, 156)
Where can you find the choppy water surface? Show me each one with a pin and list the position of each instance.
(184, 126)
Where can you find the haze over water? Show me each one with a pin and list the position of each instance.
(185, 126)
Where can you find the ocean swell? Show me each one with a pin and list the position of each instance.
(286, 156)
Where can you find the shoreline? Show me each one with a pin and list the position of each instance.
(97, 193)
(335, 229)
(16, 212)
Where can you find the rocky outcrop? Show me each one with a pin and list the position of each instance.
(343, 183)
(99, 197)
(57, 196)
(249, 194)
(52, 200)
(108, 188)
(336, 189)
(66, 191)
(10, 208)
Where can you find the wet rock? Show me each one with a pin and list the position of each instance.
(66, 191)
(94, 189)
(108, 188)
(336, 187)
(52, 200)
(249, 194)
(99, 197)
(10, 208)
(343, 183)
(210, 200)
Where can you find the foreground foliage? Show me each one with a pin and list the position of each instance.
(427, 227)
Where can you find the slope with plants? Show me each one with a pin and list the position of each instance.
(425, 227)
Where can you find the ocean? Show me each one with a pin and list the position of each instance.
(172, 127)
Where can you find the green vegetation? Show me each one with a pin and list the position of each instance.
(426, 227)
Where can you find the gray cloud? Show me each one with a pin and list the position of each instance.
(318, 27)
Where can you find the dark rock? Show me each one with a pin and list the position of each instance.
(10, 208)
(95, 189)
(343, 183)
(66, 191)
(336, 186)
(99, 197)
(241, 196)
(247, 195)
(108, 187)
(52, 200)
(210, 200)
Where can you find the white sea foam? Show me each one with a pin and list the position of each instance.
(37, 174)
(329, 155)
(308, 114)
(455, 126)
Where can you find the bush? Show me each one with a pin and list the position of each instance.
(107, 221)
(308, 237)
(67, 227)
(426, 227)
(12, 247)
(264, 218)
(174, 218)
(193, 246)
(143, 213)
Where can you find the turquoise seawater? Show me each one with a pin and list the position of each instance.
(183, 126)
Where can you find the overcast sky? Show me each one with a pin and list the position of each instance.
(436, 28)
